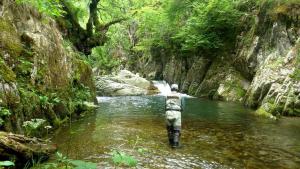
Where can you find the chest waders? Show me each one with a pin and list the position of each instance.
(173, 119)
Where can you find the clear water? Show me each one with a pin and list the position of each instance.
(215, 135)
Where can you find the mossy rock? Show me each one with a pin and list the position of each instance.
(9, 38)
(263, 113)
(296, 74)
(83, 75)
(6, 73)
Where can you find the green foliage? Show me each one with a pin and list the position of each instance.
(24, 67)
(49, 7)
(142, 150)
(44, 101)
(104, 60)
(296, 74)
(79, 164)
(4, 112)
(79, 10)
(184, 27)
(34, 127)
(6, 164)
(9, 38)
(63, 162)
(154, 27)
(209, 26)
(6, 73)
(122, 159)
(29, 98)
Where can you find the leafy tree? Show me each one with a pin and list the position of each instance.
(94, 33)
(209, 25)
(178, 26)
(75, 14)
(50, 7)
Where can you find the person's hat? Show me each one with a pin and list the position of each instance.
(174, 87)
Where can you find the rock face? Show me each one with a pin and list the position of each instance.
(39, 72)
(263, 71)
(123, 84)
(273, 62)
(223, 82)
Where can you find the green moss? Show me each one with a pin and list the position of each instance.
(250, 35)
(235, 86)
(263, 113)
(82, 70)
(296, 74)
(23, 68)
(82, 76)
(276, 63)
(241, 92)
(9, 38)
(6, 73)
(29, 100)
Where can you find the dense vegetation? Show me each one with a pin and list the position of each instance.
(124, 31)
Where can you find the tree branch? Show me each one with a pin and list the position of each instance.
(107, 25)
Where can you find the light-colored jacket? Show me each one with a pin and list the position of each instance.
(173, 102)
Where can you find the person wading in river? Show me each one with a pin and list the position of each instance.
(173, 116)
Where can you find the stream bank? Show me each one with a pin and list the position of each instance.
(43, 80)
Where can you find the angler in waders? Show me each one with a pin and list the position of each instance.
(173, 116)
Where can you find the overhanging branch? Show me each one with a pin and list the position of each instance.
(107, 25)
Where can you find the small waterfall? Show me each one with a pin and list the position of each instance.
(163, 87)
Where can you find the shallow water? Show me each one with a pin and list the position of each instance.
(214, 135)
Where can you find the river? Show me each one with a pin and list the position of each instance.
(214, 135)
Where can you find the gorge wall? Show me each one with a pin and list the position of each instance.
(41, 76)
(262, 71)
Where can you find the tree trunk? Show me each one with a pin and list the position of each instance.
(23, 149)
(95, 33)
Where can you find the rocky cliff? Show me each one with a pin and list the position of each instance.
(262, 70)
(41, 76)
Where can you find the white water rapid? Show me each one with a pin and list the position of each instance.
(165, 88)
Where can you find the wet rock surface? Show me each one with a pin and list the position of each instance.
(124, 83)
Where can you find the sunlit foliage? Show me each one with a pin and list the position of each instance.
(49, 7)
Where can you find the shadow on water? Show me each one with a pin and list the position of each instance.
(215, 135)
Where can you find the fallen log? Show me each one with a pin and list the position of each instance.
(23, 149)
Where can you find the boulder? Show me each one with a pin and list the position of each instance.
(125, 83)
(133, 79)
